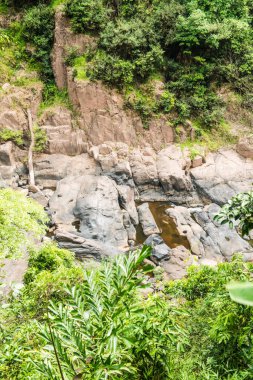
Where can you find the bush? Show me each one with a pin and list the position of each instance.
(86, 15)
(7, 134)
(38, 30)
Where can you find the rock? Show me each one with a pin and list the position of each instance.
(99, 212)
(6, 154)
(160, 250)
(147, 220)
(208, 240)
(223, 175)
(197, 161)
(92, 202)
(245, 147)
(143, 166)
(83, 248)
(170, 167)
(180, 259)
(49, 169)
(40, 198)
(127, 202)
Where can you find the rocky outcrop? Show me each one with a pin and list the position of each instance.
(90, 206)
(209, 240)
(174, 261)
(61, 136)
(49, 169)
(223, 175)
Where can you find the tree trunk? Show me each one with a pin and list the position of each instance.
(30, 152)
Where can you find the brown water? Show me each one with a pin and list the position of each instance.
(166, 225)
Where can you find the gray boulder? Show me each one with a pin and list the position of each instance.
(147, 220)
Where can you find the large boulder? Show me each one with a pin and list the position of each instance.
(89, 206)
(224, 174)
(172, 170)
(245, 147)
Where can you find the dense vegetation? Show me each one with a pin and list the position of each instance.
(69, 323)
(193, 46)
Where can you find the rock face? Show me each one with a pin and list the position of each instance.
(49, 169)
(223, 175)
(209, 240)
(61, 137)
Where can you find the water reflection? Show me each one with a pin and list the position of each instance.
(166, 225)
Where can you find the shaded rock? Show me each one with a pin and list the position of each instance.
(147, 220)
(98, 210)
(127, 202)
(223, 175)
(83, 248)
(6, 154)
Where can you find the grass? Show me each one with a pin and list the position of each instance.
(211, 140)
(52, 97)
(79, 67)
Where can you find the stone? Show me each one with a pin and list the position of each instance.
(83, 248)
(88, 206)
(197, 161)
(224, 174)
(245, 147)
(49, 169)
(6, 154)
(127, 202)
(143, 166)
(170, 164)
(208, 239)
(180, 259)
(147, 220)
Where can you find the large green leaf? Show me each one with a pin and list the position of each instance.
(241, 292)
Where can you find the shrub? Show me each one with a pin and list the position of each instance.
(86, 15)
(40, 137)
(7, 134)
(21, 220)
(38, 30)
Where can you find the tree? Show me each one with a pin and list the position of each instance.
(21, 220)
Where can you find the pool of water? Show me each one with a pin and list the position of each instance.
(166, 225)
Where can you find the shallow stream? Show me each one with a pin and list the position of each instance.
(166, 225)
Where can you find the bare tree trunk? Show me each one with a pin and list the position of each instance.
(30, 152)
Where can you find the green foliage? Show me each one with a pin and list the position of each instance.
(238, 210)
(104, 330)
(197, 45)
(241, 292)
(86, 15)
(7, 134)
(38, 30)
(40, 137)
(223, 329)
(52, 96)
(21, 220)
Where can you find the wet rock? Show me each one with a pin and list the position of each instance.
(147, 220)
